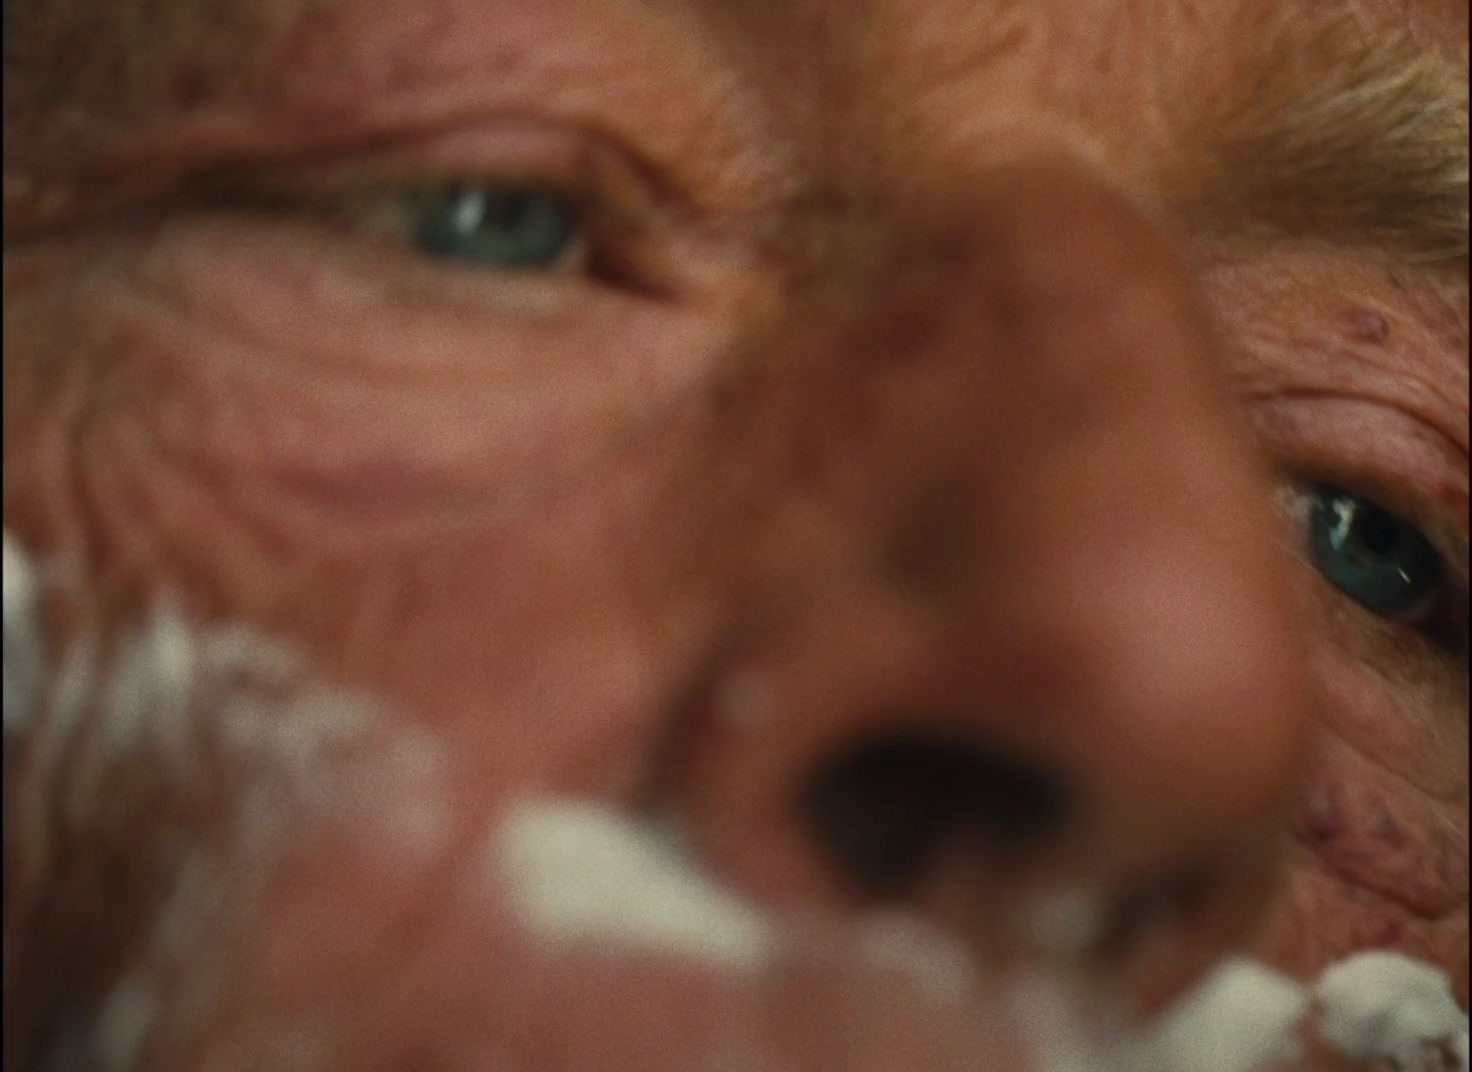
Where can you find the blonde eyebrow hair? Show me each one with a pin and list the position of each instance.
(1332, 131)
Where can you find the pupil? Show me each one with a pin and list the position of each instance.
(510, 212)
(1377, 531)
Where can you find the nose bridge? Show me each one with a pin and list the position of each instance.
(1041, 437)
(1032, 320)
(1109, 594)
(1078, 443)
(1040, 323)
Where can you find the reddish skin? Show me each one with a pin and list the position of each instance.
(968, 442)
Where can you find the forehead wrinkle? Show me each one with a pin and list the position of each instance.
(67, 66)
(339, 55)
(318, 73)
(648, 70)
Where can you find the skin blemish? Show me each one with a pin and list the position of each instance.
(1390, 931)
(1320, 818)
(1366, 325)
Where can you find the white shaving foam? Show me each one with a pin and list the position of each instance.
(23, 656)
(1046, 1012)
(1381, 1006)
(123, 1024)
(148, 688)
(582, 872)
(1065, 923)
(920, 951)
(1242, 1017)
(289, 749)
(19, 583)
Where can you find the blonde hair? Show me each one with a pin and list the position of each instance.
(1332, 130)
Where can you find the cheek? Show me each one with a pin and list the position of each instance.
(453, 502)
(1380, 858)
(545, 645)
(276, 357)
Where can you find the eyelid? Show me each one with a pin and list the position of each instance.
(630, 216)
(1378, 451)
(511, 146)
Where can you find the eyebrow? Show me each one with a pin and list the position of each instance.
(1330, 132)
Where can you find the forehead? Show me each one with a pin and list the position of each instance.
(856, 34)
(831, 91)
(1082, 54)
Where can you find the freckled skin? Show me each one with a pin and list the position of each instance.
(965, 442)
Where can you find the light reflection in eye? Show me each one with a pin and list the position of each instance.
(1380, 561)
(504, 228)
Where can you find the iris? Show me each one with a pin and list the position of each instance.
(1378, 560)
(511, 228)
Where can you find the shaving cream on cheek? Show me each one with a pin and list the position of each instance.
(23, 655)
(597, 892)
(1377, 1009)
(578, 872)
(1387, 1007)
(1241, 1018)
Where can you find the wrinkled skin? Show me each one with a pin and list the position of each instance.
(916, 393)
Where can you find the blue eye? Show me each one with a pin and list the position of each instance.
(509, 228)
(1376, 559)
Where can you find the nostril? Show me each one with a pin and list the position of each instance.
(885, 810)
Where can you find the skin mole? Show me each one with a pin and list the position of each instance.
(1369, 326)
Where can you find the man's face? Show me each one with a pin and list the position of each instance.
(987, 475)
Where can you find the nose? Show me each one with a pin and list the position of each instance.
(1018, 616)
